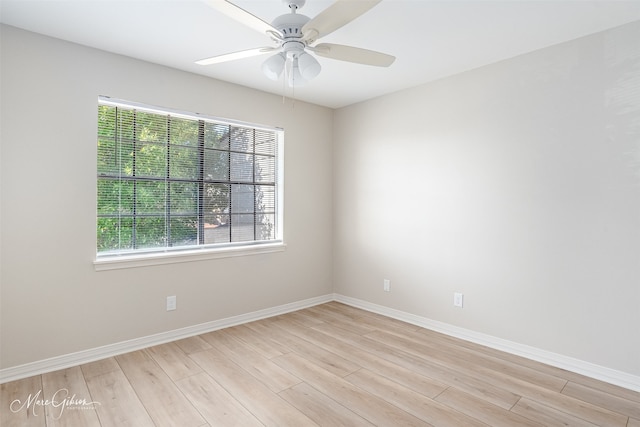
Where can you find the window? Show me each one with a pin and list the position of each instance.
(170, 181)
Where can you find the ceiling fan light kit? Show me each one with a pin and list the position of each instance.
(295, 33)
(273, 67)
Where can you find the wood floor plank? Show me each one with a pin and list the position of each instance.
(386, 324)
(263, 369)
(454, 350)
(625, 393)
(174, 361)
(422, 365)
(321, 408)
(604, 387)
(326, 359)
(431, 335)
(377, 321)
(265, 328)
(548, 416)
(215, 403)
(119, 403)
(605, 400)
(633, 422)
(264, 404)
(545, 395)
(302, 317)
(164, 402)
(193, 344)
(575, 407)
(368, 406)
(462, 359)
(260, 343)
(342, 322)
(18, 403)
(93, 369)
(73, 403)
(411, 379)
(484, 411)
(414, 403)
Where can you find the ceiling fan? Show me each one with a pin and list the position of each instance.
(294, 34)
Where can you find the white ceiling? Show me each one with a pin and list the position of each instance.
(431, 39)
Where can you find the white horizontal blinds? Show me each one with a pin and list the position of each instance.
(184, 176)
(115, 190)
(178, 182)
(265, 178)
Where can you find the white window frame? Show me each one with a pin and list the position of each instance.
(160, 256)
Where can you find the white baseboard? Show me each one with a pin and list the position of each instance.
(91, 355)
(591, 370)
(601, 373)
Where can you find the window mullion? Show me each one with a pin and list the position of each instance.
(253, 182)
(200, 206)
(230, 188)
(167, 187)
(134, 222)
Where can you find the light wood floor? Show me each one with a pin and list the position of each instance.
(330, 365)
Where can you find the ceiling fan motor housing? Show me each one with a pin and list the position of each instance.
(290, 25)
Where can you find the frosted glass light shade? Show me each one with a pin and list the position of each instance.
(273, 66)
(308, 65)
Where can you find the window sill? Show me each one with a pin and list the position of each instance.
(143, 260)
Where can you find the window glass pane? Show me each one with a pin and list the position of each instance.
(106, 121)
(125, 124)
(265, 227)
(115, 197)
(184, 197)
(150, 197)
(242, 200)
(242, 229)
(151, 127)
(216, 199)
(184, 230)
(241, 139)
(216, 135)
(265, 142)
(216, 165)
(241, 167)
(151, 160)
(265, 196)
(265, 169)
(150, 232)
(217, 229)
(184, 132)
(115, 234)
(183, 162)
(115, 157)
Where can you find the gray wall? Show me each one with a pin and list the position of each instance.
(52, 301)
(517, 184)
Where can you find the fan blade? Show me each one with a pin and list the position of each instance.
(353, 54)
(335, 16)
(242, 16)
(236, 55)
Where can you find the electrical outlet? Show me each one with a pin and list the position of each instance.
(457, 299)
(171, 303)
(386, 285)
